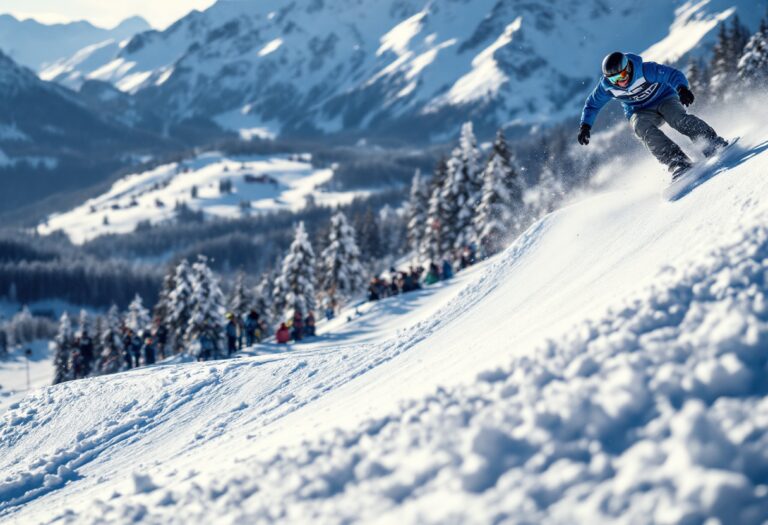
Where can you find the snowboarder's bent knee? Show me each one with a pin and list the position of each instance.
(651, 94)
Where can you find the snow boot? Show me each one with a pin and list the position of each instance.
(679, 168)
(715, 146)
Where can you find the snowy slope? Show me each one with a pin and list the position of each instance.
(646, 405)
(13, 372)
(264, 184)
(401, 67)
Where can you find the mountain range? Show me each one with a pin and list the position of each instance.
(52, 140)
(36, 45)
(405, 69)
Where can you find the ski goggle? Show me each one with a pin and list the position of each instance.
(622, 75)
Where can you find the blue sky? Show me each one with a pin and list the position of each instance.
(105, 13)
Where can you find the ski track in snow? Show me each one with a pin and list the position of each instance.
(449, 405)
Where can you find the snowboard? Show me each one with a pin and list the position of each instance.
(699, 173)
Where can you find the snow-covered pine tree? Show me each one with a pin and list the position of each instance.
(431, 243)
(368, 235)
(241, 300)
(110, 359)
(418, 206)
(725, 58)
(753, 64)
(207, 314)
(393, 232)
(342, 274)
(162, 310)
(179, 306)
(83, 324)
(698, 78)
(494, 214)
(465, 186)
(295, 286)
(137, 318)
(511, 179)
(262, 297)
(63, 342)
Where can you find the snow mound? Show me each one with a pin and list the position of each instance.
(654, 413)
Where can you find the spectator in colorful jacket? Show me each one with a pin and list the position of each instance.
(283, 335)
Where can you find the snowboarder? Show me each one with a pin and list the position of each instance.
(651, 94)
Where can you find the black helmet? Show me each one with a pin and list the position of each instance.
(617, 67)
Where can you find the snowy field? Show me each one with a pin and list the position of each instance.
(258, 184)
(610, 366)
(13, 372)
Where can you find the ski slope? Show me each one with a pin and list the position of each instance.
(609, 366)
(259, 184)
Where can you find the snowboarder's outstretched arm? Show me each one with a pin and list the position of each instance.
(595, 102)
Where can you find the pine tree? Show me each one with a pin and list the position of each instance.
(207, 314)
(369, 238)
(725, 58)
(464, 187)
(738, 41)
(494, 214)
(111, 356)
(753, 64)
(63, 342)
(240, 301)
(83, 323)
(418, 206)
(295, 287)
(698, 78)
(262, 297)
(511, 180)
(431, 241)
(138, 316)
(162, 311)
(342, 274)
(393, 232)
(179, 305)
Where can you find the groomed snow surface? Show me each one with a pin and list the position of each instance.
(610, 366)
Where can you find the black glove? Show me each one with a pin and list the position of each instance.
(584, 134)
(686, 96)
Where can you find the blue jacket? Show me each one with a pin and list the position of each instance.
(651, 83)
